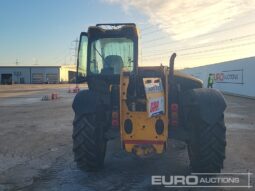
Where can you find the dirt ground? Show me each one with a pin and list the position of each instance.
(36, 146)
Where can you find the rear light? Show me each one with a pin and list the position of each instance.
(115, 123)
(115, 119)
(174, 114)
(174, 123)
(174, 107)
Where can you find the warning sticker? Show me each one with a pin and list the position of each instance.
(153, 85)
(156, 106)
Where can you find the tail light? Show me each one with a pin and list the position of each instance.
(115, 119)
(174, 114)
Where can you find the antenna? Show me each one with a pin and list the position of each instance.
(17, 62)
(76, 46)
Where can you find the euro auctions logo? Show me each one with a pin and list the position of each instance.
(175, 181)
(229, 76)
(231, 180)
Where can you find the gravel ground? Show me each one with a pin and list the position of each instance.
(36, 146)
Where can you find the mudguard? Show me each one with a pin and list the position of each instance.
(86, 101)
(206, 104)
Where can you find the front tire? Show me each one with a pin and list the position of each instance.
(89, 143)
(207, 145)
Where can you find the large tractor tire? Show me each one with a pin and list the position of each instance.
(206, 147)
(89, 143)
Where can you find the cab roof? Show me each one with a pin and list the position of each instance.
(107, 30)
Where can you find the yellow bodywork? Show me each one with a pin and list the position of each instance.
(143, 140)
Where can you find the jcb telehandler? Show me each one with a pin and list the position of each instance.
(144, 106)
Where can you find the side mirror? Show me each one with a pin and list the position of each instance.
(81, 79)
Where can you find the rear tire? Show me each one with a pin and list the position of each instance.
(89, 143)
(207, 145)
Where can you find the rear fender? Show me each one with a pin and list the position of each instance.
(205, 104)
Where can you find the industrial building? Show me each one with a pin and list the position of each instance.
(37, 74)
(234, 77)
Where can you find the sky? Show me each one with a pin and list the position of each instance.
(43, 32)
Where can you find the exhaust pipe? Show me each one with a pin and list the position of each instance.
(171, 67)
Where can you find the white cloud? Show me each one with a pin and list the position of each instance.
(187, 18)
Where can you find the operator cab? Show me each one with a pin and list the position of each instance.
(105, 50)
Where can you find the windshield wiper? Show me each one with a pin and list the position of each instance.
(99, 53)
